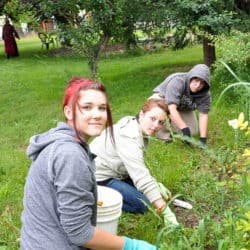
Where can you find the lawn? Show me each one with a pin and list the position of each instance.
(31, 88)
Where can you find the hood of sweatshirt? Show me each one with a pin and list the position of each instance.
(201, 71)
(62, 132)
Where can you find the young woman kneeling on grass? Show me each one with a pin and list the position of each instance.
(122, 167)
(60, 195)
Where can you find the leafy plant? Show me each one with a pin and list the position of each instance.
(233, 51)
(244, 97)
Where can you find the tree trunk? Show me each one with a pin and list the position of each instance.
(208, 52)
(94, 69)
(96, 56)
(129, 36)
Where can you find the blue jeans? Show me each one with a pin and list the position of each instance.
(131, 196)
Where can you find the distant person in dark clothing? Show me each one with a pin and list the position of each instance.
(9, 35)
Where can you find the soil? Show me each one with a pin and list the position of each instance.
(63, 51)
(187, 217)
(109, 49)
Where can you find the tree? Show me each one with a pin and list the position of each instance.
(17, 12)
(116, 19)
(89, 32)
(101, 21)
(92, 33)
(207, 19)
(148, 16)
(243, 8)
(2, 4)
(203, 18)
(119, 19)
(64, 12)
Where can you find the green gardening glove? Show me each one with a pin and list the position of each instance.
(169, 217)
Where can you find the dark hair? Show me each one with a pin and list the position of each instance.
(206, 85)
(153, 102)
(71, 96)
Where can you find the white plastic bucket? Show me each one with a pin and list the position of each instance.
(110, 210)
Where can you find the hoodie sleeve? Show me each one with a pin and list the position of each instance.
(174, 90)
(73, 182)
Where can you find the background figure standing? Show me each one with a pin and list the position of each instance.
(9, 34)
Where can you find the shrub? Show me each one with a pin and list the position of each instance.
(233, 50)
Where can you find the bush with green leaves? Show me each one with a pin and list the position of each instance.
(234, 50)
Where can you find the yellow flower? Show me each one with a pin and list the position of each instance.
(248, 131)
(248, 215)
(246, 152)
(244, 225)
(242, 125)
(233, 123)
(239, 123)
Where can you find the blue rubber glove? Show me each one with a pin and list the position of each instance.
(133, 244)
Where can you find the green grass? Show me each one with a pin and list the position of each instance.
(31, 88)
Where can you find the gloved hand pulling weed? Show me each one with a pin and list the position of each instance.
(169, 217)
(186, 135)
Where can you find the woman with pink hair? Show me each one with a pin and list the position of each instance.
(60, 194)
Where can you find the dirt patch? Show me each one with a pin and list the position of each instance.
(187, 217)
(63, 51)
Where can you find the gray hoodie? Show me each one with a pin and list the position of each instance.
(175, 90)
(60, 192)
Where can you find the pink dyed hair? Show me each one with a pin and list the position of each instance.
(71, 96)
